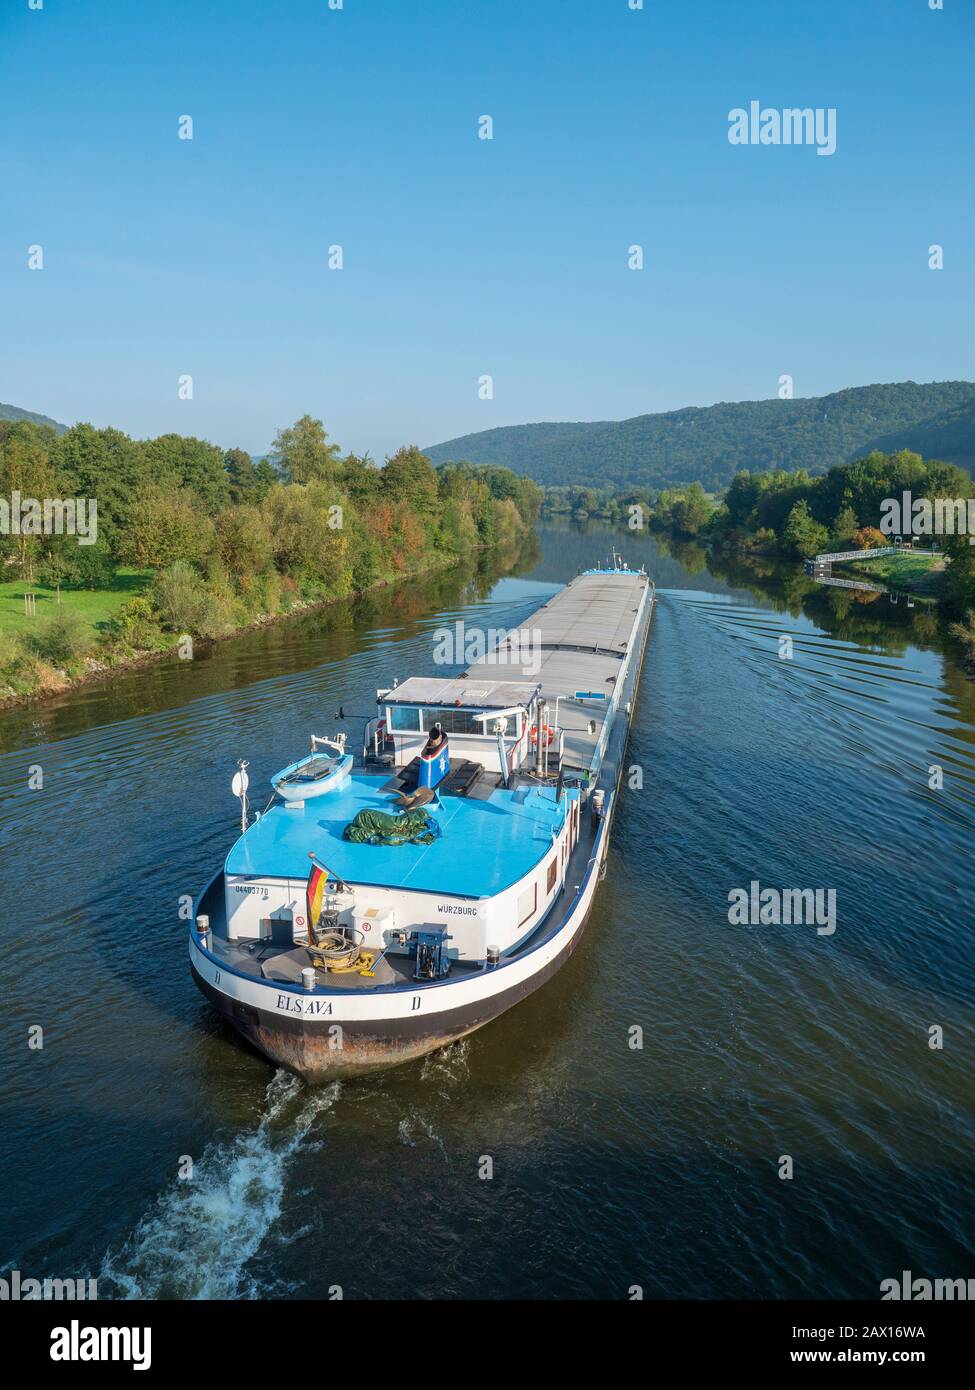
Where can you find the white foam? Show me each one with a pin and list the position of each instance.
(199, 1237)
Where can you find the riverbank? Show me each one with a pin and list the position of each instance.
(54, 681)
(217, 544)
(908, 572)
(788, 517)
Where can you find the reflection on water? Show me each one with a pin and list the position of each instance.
(612, 1165)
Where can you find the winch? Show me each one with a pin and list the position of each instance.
(430, 950)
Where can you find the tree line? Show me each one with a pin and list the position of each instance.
(224, 540)
(791, 514)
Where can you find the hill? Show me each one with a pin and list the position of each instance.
(14, 412)
(712, 443)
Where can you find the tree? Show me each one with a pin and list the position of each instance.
(868, 538)
(302, 541)
(802, 535)
(106, 465)
(844, 525)
(243, 541)
(692, 511)
(76, 566)
(960, 574)
(166, 526)
(242, 476)
(361, 479)
(25, 468)
(584, 502)
(265, 476)
(410, 478)
(181, 461)
(304, 453)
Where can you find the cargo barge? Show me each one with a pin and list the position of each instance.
(420, 890)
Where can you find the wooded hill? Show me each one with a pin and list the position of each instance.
(711, 444)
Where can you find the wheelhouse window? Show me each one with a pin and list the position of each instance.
(412, 719)
(453, 721)
(466, 721)
(404, 719)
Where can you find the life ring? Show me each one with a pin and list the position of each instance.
(547, 731)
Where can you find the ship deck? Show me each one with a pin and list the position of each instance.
(486, 844)
(582, 636)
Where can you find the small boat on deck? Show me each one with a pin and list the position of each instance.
(315, 774)
(452, 868)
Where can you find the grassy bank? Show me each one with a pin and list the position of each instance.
(95, 608)
(105, 638)
(917, 574)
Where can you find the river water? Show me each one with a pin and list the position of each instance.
(613, 1165)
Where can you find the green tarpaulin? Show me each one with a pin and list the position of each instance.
(381, 828)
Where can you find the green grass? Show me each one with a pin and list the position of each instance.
(95, 606)
(922, 574)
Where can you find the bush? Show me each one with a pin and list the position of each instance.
(18, 667)
(62, 639)
(289, 593)
(11, 653)
(267, 592)
(77, 567)
(185, 603)
(177, 597)
(215, 617)
(136, 624)
(869, 538)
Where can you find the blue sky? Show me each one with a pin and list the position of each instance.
(465, 257)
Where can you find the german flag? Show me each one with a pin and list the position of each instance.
(314, 893)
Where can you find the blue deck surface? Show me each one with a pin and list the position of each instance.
(485, 846)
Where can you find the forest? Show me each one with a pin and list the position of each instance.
(710, 444)
(791, 514)
(197, 541)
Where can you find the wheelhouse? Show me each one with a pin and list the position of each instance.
(487, 722)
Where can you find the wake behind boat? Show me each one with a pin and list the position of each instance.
(449, 874)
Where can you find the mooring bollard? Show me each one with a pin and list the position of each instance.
(203, 929)
(308, 978)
